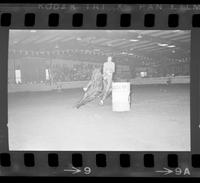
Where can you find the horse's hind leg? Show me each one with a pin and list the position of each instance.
(84, 101)
(81, 102)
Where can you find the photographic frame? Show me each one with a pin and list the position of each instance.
(62, 161)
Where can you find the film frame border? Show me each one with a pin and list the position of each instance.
(135, 163)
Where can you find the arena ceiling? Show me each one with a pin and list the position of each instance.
(145, 44)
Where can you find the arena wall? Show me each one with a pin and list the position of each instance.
(79, 84)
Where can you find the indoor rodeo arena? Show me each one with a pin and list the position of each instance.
(99, 90)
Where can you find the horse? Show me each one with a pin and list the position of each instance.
(93, 89)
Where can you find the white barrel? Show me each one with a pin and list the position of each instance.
(121, 96)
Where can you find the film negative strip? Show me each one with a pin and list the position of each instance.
(100, 90)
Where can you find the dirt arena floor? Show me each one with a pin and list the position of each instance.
(159, 120)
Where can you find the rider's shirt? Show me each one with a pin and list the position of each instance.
(108, 68)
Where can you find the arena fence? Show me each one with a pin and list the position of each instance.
(80, 84)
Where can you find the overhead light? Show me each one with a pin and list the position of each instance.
(123, 53)
(78, 39)
(131, 30)
(33, 31)
(162, 44)
(139, 36)
(173, 51)
(171, 46)
(177, 31)
(133, 40)
(130, 54)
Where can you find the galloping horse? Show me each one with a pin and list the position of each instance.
(93, 89)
